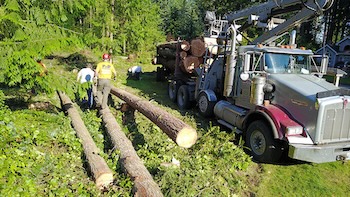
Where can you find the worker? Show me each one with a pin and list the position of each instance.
(104, 72)
(43, 67)
(86, 75)
(134, 72)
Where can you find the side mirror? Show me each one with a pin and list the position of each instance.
(246, 62)
(324, 64)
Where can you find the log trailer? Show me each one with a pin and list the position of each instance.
(271, 93)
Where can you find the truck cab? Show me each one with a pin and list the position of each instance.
(274, 97)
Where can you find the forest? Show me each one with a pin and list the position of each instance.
(41, 157)
(32, 30)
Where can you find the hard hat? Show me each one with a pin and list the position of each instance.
(105, 56)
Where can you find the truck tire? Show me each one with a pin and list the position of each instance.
(173, 87)
(183, 97)
(263, 147)
(205, 106)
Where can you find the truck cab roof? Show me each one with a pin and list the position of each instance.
(270, 49)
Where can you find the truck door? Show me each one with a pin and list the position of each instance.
(250, 63)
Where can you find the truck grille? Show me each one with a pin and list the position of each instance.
(334, 120)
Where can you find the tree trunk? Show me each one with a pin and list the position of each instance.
(181, 133)
(170, 45)
(103, 176)
(197, 47)
(189, 64)
(183, 54)
(185, 46)
(167, 53)
(144, 185)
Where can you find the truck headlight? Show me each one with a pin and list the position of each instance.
(294, 130)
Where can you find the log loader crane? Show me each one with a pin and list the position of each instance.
(273, 93)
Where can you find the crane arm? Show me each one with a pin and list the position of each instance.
(263, 15)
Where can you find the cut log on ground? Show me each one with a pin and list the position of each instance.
(144, 185)
(180, 132)
(103, 176)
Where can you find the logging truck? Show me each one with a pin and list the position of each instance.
(270, 91)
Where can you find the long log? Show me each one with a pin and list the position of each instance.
(167, 53)
(189, 64)
(197, 47)
(102, 174)
(185, 46)
(183, 54)
(180, 132)
(172, 45)
(144, 185)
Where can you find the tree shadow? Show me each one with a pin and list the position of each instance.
(77, 60)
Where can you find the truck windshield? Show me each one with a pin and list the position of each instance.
(287, 63)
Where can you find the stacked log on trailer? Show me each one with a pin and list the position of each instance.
(181, 57)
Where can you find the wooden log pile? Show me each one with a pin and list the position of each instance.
(102, 174)
(184, 54)
(180, 132)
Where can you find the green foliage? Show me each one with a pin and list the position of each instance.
(210, 168)
(81, 90)
(182, 19)
(40, 159)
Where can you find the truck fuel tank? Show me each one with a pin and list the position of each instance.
(257, 90)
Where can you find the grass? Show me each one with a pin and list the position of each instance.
(328, 179)
(343, 80)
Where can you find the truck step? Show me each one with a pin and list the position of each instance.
(228, 125)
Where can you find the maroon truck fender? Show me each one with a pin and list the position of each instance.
(278, 119)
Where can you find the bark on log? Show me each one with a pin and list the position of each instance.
(197, 47)
(170, 65)
(160, 60)
(144, 185)
(171, 45)
(102, 175)
(167, 53)
(189, 64)
(167, 63)
(180, 132)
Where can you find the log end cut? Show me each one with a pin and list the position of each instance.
(186, 137)
(104, 180)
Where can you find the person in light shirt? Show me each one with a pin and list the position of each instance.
(134, 72)
(86, 75)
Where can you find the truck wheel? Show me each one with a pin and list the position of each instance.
(205, 106)
(173, 87)
(183, 97)
(262, 146)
